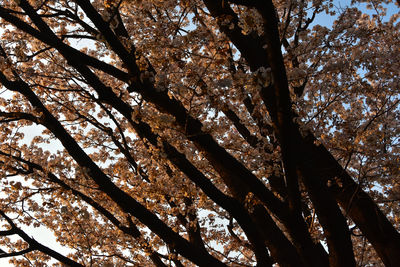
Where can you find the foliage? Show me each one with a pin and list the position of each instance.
(206, 132)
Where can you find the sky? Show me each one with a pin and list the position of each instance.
(46, 237)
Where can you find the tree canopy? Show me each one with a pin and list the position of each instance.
(200, 133)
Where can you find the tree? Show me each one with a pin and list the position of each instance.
(208, 132)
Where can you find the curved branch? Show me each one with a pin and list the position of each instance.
(125, 201)
(34, 245)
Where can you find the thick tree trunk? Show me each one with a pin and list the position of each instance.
(357, 204)
(353, 200)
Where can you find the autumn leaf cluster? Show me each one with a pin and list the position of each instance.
(200, 133)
